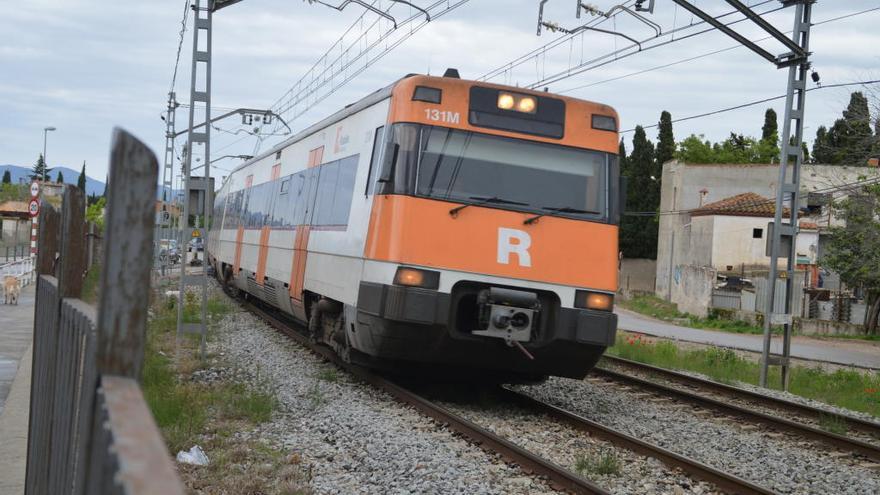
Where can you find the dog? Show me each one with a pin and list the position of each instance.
(11, 290)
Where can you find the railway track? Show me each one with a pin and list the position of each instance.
(814, 414)
(557, 476)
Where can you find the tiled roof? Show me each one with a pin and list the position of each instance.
(809, 225)
(14, 207)
(744, 205)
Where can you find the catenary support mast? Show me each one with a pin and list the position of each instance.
(788, 190)
(197, 185)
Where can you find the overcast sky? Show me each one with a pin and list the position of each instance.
(87, 66)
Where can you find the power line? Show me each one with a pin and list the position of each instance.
(179, 44)
(707, 54)
(306, 93)
(541, 50)
(625, 52)
(757, 102)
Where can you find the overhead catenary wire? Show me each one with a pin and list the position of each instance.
(183, 23)
(628, 51)
(840, 189)
(756, 102)
(707, 54)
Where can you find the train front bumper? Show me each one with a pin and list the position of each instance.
(417, 324)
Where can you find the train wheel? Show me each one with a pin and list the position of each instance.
(315, 324)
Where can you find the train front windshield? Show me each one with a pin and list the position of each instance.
(468, 167)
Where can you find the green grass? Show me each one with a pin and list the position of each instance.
(832, 424)
(844, 388)
(329, 375)
(718, 319)
(90, 285)
(603, 464)
(182, 408)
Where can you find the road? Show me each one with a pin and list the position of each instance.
(849, 353)
(16, 330)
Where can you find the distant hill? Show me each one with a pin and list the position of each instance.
(93, 186)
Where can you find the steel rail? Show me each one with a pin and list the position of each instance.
(722, 480)
(557, 476)
(833, 439)
(863, 425)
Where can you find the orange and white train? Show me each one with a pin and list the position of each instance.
(439, 223)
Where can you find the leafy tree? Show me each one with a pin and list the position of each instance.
(95, 212)
(14, 192)
(7, 177)
(695, 149)
(59, 178)
(638, 230)
(81, 181)
(854, 249)
(665, 140)
(40, 169)
(737, 148)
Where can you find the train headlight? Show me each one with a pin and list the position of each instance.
(517, 103)
(527, 104)
(593, 300)
(506, 101)
(415, 277)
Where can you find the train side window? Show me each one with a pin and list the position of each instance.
(378, 139)
(344, 190)
(328, 175)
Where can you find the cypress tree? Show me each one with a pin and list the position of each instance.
(850, 140)
(822, 152)
(59, 178)
(7, 177)
(665, 142)
(638, 234)
(770, 130)
(81, 181)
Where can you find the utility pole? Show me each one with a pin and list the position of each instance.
(788, 187)
(797, 60)
(198, 190)
(163, 217)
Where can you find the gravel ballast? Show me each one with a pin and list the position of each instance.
(775, 462)
(354, 438)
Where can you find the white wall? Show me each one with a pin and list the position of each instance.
(683, 182)
(733, 243)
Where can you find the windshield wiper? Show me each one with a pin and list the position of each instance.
(554, 211)
(481, 200)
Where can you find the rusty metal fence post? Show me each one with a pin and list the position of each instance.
(91, 430)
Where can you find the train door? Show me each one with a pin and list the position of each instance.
(306, 182)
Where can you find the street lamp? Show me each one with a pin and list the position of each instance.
(45, 162)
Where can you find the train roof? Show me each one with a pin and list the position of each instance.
(387, 92)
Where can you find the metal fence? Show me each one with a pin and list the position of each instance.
(726, 299)
(91, 431)
(14, 253)
(22, 269)
(754, 300)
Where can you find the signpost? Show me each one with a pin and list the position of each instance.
(34, 210)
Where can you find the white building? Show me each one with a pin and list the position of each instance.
(730, 235)
(687, 187)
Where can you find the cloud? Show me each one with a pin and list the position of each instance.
(85, 67)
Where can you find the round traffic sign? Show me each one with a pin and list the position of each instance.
(34, 208)
(35, 189)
